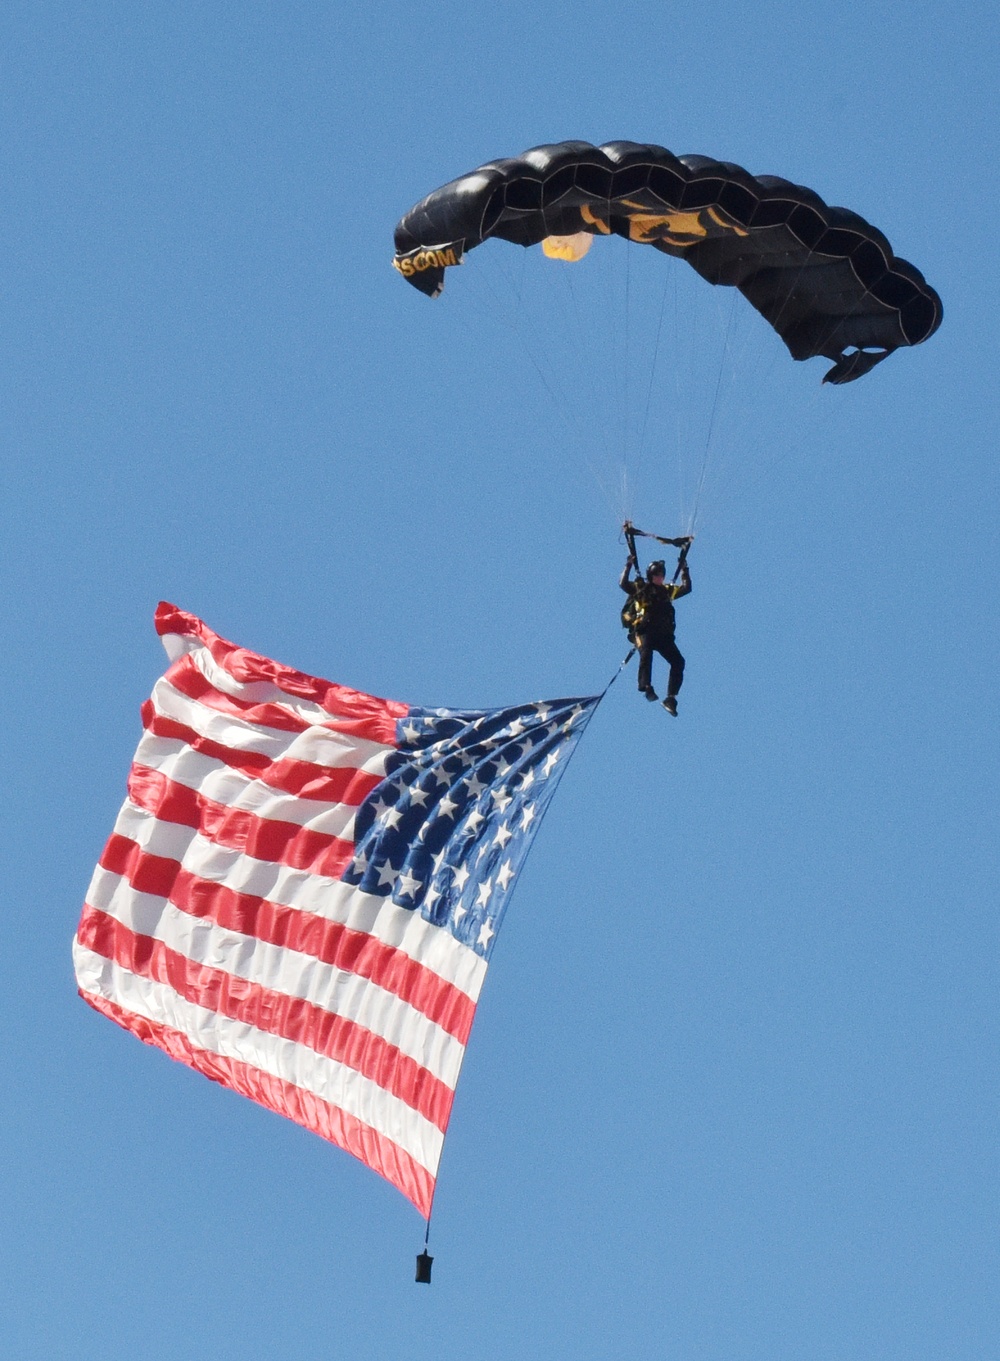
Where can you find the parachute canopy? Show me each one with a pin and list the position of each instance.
(825, 279)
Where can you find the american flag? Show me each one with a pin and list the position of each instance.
(304, 886)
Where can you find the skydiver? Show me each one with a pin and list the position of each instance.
(649, 615)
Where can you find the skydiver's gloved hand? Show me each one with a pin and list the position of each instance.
(625, 580)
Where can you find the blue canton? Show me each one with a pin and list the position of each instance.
(448, 829)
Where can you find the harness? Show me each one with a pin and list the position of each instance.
(636, 608)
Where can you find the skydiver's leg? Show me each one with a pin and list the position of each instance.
(668, 650)
(676, 664)
(645, 646)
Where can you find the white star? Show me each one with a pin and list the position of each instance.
(486, 933)
(527, 782)
(408, 884)
(525, 746)
(543, 711)
(550, 761)
(502, 767)
(461, 877)
(360, 863)
(473, 820)
(528, 816)
(410, 733)
(387, 875)
(476, 786)
(501, 799)
(503, 835)
(418, 796)
(438, 860)
(516, 728)
(392, 817)
(485, 892)
(431, 897)
(447, 807)
(459, 913)
(504, 875)
(577, 713)
(440, 776)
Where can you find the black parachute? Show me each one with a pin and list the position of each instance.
(823, 277)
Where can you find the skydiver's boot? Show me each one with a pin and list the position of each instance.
(649, 692)
(670, 704)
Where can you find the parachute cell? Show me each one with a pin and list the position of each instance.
(826, 280)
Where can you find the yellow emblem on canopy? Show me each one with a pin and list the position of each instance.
(679, 229)
(570, 248)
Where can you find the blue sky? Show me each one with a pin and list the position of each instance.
(731, 1091)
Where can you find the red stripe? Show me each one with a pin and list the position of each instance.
(186, 677)
(330, 942)
(364, 715)
(282, 843)
(304, 779)
(276, 1013)
(328, 1121)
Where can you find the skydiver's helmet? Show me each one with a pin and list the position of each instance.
(658, 568)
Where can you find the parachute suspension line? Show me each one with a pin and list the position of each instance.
(589, 368)
(750, 366)
(532, 341)
(752, 460)
(700, 485)
(612, 341)
(750, 464)
(625, 357)
(791, 289)
(681, 488)
(562, 278)
(652, 373)
(804, 421)
(627, 497)
(839, 321)
(588, 363)
(517, 323)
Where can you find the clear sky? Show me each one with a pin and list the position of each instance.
(731, 1091)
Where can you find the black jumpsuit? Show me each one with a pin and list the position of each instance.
(656, 631)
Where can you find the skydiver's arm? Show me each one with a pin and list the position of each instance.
(625, 583)
(683, 586)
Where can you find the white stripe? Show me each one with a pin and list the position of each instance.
(283, 970)
(432, 946)
(179, 762)
(318, 746)
(261, 692)
(331, 1081)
